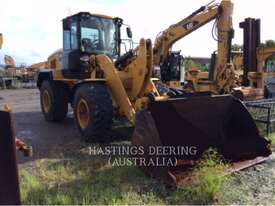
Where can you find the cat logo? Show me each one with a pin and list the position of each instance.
(190, 25)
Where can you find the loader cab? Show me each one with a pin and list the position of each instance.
(85, 34)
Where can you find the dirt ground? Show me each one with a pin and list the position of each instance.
(47, 139)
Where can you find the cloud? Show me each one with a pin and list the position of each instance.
(32, 29)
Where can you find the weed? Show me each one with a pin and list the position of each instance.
(207, 179)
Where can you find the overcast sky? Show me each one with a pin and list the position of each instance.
(32, 28)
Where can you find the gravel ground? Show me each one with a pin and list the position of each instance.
(48, 140)
(253, 186)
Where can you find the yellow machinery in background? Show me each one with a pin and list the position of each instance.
(9, 178)
(100, 83)
(225, 74)
(13, 72)
(9, 61)
(31, 72)
(54, 61)
(11, 68)
(1, 40)
(263, 55)
(258, 79)
(250, 63)
(10, 75)
(222, 77)
(24, 74)
(261, 77)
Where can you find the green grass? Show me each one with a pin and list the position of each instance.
(92, 181)
(74, 182)
(272, 138)
(208, 179)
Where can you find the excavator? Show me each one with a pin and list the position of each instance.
(99, 83)
(221, 77)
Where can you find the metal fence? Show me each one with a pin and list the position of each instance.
(263, 111)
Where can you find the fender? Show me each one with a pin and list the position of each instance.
(42, 76)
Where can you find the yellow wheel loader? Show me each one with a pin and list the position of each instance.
(99, 83)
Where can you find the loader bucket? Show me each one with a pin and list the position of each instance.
(191, 126)
(9, 182)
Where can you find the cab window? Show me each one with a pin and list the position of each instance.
(74, 36)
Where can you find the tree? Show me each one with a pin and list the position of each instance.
(269, 43)
(190, 64)
(237, 47)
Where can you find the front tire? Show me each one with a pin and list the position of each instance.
(93, 111)
(54, 101)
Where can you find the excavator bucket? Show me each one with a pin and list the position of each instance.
(181, 130)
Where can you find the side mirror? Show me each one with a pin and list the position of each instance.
(129, 32)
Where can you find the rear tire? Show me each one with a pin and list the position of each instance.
(54, 100)
(93, 111)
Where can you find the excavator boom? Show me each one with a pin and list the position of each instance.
(175, 32)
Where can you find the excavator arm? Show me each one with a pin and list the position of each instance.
(168, 37)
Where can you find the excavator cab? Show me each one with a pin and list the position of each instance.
(172, 67)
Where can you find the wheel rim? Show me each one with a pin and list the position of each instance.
(83, 114)
(46, 101)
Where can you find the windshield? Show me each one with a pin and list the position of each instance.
(98, 35)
